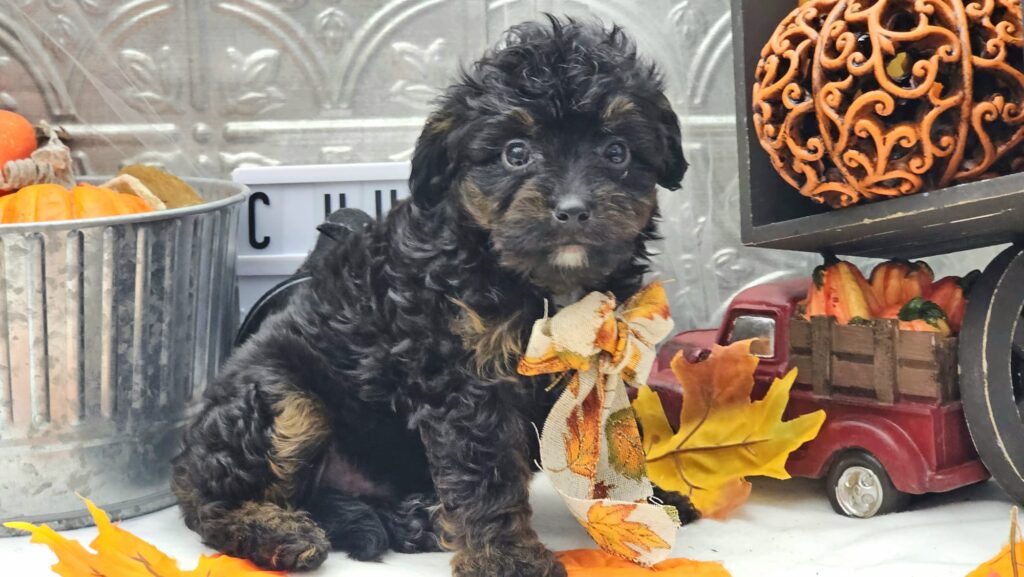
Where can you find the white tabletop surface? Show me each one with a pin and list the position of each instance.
(787, 529)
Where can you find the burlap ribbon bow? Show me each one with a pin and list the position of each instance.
(590, 446)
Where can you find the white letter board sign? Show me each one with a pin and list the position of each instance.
(286, 204)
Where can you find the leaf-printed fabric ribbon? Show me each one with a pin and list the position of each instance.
(590, 446)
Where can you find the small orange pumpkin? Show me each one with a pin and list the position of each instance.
(49, 202)
(3, 203)
(94, 202)
(17, 137)
(133, 204)
(921, 315)
(898, 281)
(890, 312)
(36, 203)
(840, 290)
(951, 294)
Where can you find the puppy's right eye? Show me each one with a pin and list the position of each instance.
(516, 154)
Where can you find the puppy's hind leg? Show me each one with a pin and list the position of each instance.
(412, 524)
(365, 531)
(352, 525)
(244, 459)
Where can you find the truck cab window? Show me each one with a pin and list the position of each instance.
(758, 327)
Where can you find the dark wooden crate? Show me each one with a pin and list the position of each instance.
(876, 359)
(773, 214)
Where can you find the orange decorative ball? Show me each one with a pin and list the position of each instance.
(48, 202)
(867, 100)
(17, 137)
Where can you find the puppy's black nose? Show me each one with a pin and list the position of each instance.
(571, 209)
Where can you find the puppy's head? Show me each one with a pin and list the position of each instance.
(552, 144)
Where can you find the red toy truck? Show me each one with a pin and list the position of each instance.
(894, 427)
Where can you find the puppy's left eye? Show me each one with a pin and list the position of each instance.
(616, 153)
(516, 154)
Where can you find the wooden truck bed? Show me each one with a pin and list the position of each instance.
(876, 360)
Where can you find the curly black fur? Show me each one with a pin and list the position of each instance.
(381, 400)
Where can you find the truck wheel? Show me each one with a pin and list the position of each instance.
(991, 365)
(858, 486)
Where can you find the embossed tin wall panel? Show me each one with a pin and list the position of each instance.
(204, 86)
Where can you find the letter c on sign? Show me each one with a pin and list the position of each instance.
(253, 199)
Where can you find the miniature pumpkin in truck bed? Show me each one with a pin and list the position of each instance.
(896, 282)
(925, 316)
(951, 295)
(840, 290)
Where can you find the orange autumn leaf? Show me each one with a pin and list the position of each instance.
(595, 563)
(608, 526)
(118, 553)
(1010, 561)
(726, 379)
(574, 384)
(721, 503)
(607, 337)
(650, 303)
(544, 364)
(723, 436)
(583, 436)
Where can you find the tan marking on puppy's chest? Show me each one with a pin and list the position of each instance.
(495, 345)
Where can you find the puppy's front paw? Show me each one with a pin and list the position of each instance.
(280, 541)
(532, 560)
(687, 512)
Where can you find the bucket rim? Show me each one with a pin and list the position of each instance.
(239, 192)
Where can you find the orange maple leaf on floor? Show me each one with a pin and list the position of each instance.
(608, 526)
(723, 436)
(1010, 561)
(118, 553)
(595, 563)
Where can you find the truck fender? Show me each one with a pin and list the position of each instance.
(877, 435)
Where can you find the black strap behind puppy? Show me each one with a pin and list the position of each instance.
(338, 225)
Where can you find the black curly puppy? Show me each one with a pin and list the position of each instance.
(381, 408)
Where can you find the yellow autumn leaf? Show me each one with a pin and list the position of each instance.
(1010, 561)
(118, 553)
(73, 560)
(721, 503)
(723, 436)
(608, 526)
(651, 303)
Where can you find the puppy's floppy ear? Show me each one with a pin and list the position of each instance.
(431, 165)
(674, 165)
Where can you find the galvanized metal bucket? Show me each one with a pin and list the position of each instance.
(109, 331)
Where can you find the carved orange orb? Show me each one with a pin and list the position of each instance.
(860, 100)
